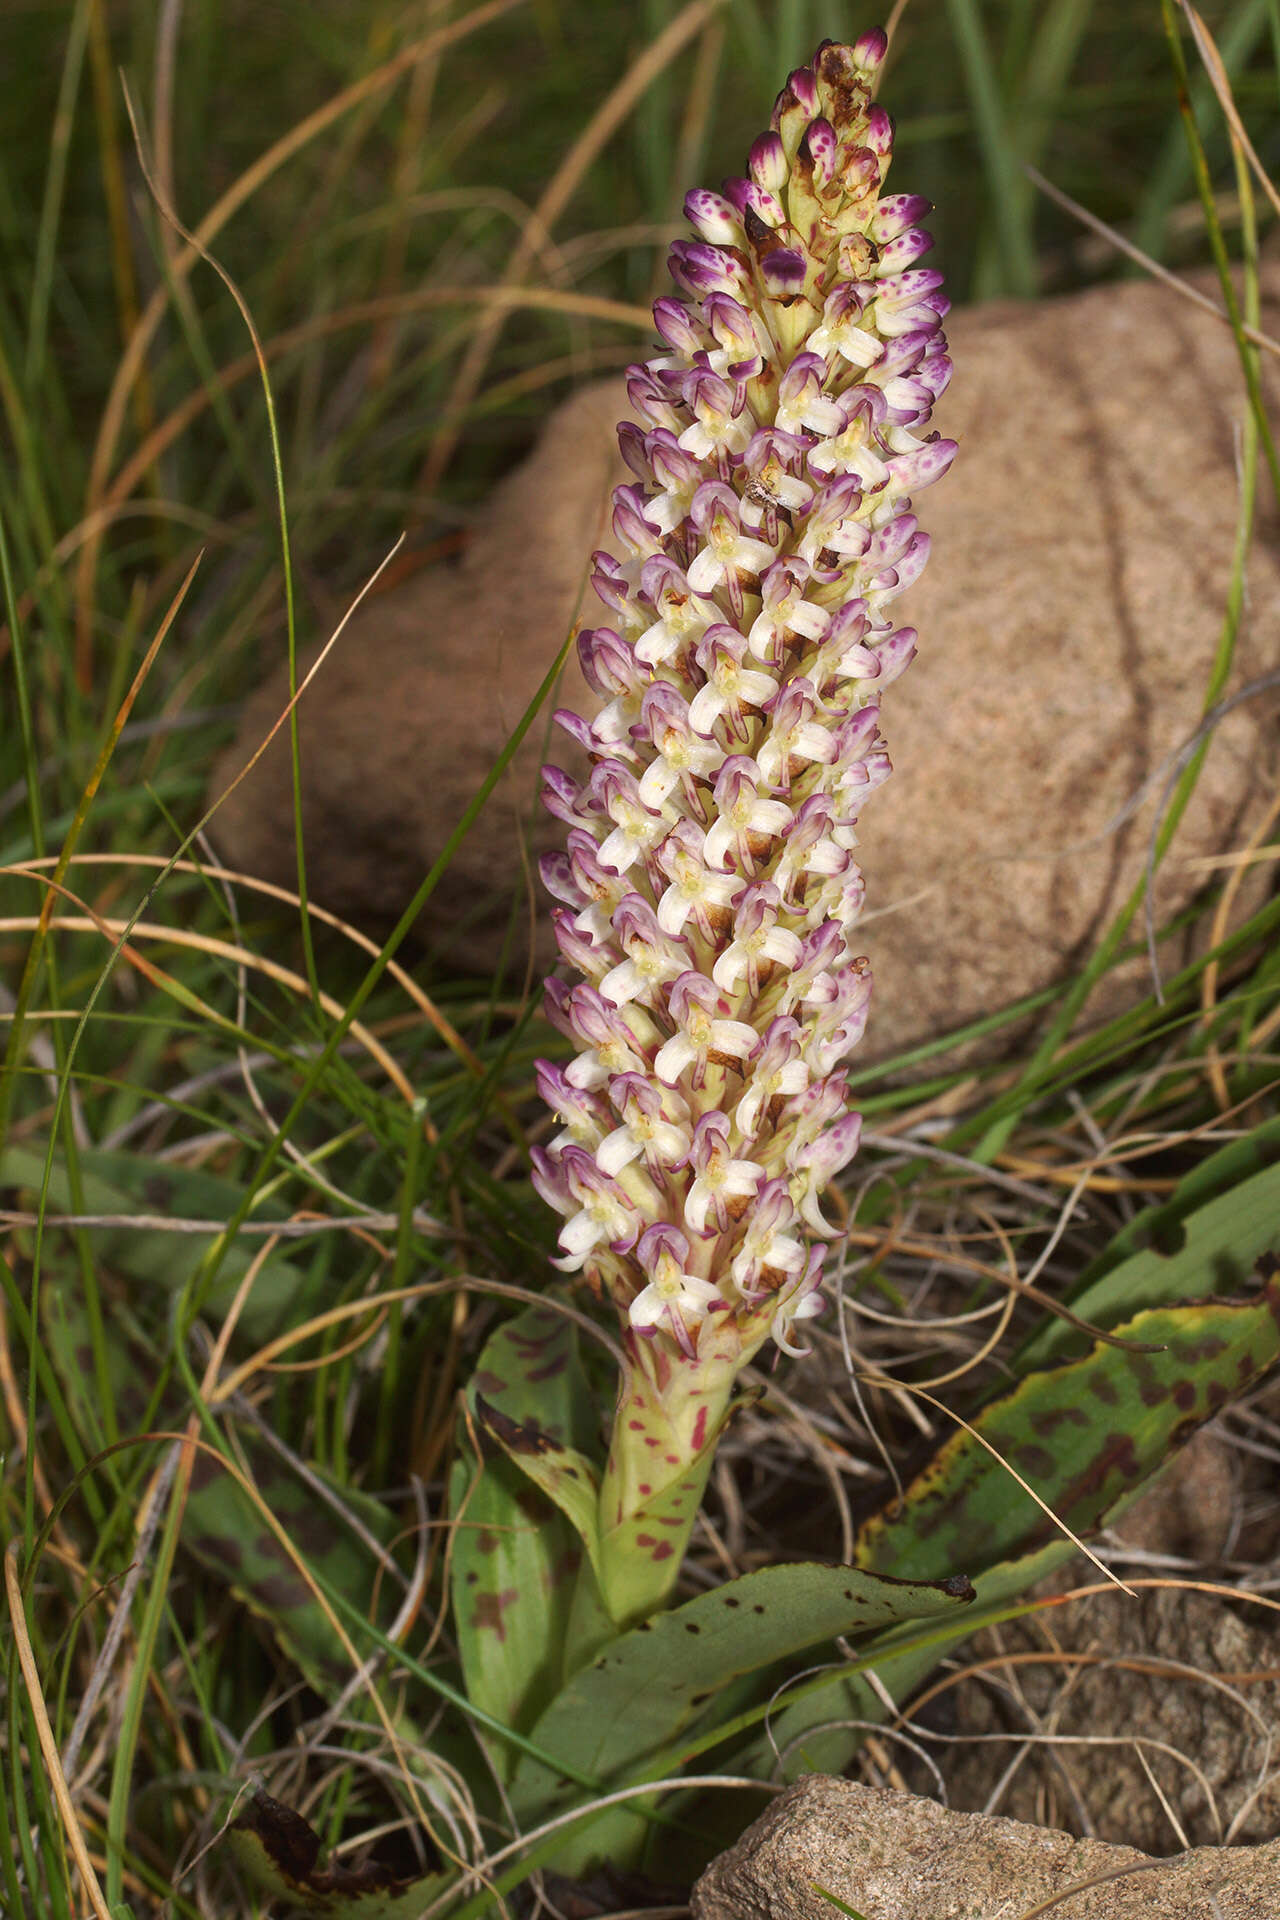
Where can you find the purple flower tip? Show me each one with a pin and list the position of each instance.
(870, 48)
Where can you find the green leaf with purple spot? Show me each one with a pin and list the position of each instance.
(1208, 1236)
(282, 1856)
(1086, 1434)
(339, 1532)
(520, 1601)
(564, 1475)
(633, 1700)
(819, 1724)
(656, 1532)
(1103, 1423)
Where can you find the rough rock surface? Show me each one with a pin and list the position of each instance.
(1082, 550)
(1190, 1511)
(416, 701)
(893, 1857)
(1173, 1687)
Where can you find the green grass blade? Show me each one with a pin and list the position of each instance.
(55, 187)
(1170, 176)
(1011, 206)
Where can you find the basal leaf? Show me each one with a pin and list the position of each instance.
(228, 1535)
(281, 1855)
(634, 1699)
(513, 1572)
(566, 1476)
(125, 1185)
(803, 1720)
(520, 1601)
(1085, 1434)
(1206, 1238)
(530, 1374)
(835, 1691)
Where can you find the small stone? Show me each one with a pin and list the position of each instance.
(891, 1856)
(1068, 621)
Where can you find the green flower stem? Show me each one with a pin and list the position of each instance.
(669, 1419)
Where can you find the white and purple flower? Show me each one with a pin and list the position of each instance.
(708, 891)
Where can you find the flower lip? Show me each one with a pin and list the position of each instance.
(705, 1035)
(605, 1216)
(673, 1294)
(725, 1185)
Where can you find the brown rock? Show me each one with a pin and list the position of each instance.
(416, 702)
(1172, 1687)
(893, 1857)
(1068, 620)
(1151, 1720)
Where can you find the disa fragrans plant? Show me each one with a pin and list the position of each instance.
(709, 888)
(708, 895)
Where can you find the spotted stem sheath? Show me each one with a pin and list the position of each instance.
(708, 889)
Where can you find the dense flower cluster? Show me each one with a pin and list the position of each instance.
(708, 886)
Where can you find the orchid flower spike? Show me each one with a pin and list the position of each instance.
(709, 892)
